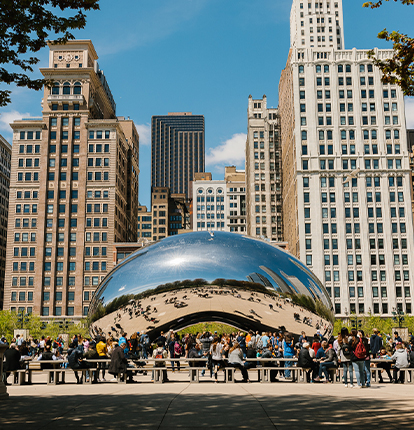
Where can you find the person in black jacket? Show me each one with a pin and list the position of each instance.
(119, 363)
(375, 343)
(305, 361)
(75, 361)
(11, 361)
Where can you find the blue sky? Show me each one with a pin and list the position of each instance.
(201, 56)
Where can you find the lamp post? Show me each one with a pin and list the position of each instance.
(3, 390)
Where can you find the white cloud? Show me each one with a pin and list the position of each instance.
(8, 117)
(144, 131)
(230, 152)
(409, 112)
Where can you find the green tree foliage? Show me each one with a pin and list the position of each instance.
(25, 26)
(368, 323)
(211, 327)
(399, 69)
(8, 323)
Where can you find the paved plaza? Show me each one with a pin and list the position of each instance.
(180, 405)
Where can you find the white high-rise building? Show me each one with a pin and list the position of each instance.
(220, 205)
(346, 172)
(263, 171)
(318, 24)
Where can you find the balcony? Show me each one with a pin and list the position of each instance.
(66, 98)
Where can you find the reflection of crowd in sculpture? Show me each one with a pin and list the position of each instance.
(135, 307)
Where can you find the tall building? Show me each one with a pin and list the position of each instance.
(263, 171)
(5, 163)
(170, 213)
(235, 181)
(346, 171)
(177, 150)
(220, 205)
(73, 189)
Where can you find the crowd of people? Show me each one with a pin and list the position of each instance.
(317, 355)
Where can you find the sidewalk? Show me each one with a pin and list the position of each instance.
(181, 405)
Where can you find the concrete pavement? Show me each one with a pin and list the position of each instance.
(180, 405)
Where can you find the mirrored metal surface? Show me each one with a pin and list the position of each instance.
(202, 276)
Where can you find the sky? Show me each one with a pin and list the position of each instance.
(204, 57)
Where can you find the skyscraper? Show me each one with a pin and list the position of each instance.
(177, 150)
(74, 189)
(346, 173)
(263, 171)
(5, 163)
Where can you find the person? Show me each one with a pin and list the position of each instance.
(102, 350)
(92, 355)
(345, 357)
(268, 353)
(367, 361)
(305, 361)
(11, 361)
(160, 353)
(119, 362)
(216, 355)
(236, 360)
(175, 351)
(386, 364)
(359, 352)
(145, 343)
(375, 343)
(316, 344)
(75, 360)
(401, 361)
(288, 352)
(206, 339)
(161, 338)
(397, 338)
(195, 352)
(329, 361)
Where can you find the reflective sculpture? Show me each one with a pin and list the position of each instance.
(205, 276)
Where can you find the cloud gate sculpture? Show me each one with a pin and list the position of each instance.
(203, 277)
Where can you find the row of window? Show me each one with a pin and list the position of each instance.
(67, 88)
(95, 266)
(210, 225)
(351, 164)
(369, 180)
(210, 216)
(65, 135)
(59, 266)
(30, 135)
(65, 122)
(326, 212)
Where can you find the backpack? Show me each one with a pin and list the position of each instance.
(177, 348)
(146, 341)
(360, 351)
(159, 354)
(346, 350)
(259, 344)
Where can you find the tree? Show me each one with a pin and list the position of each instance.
(399, 69)
(25, 26)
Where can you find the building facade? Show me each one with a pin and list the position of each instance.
(220, 205)
(74, 189)
(5, 163)
(347, 185)
(263, 171)
(177, 150)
